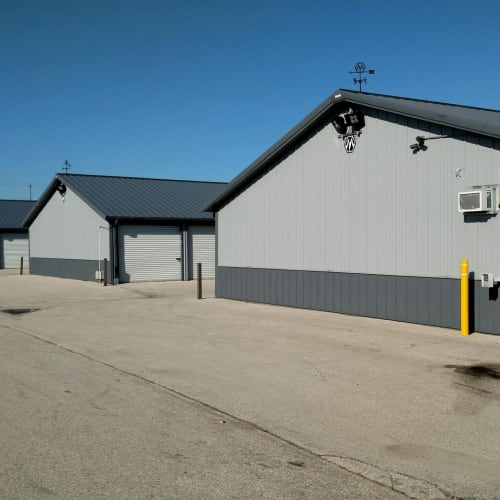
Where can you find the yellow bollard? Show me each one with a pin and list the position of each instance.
(464, 298)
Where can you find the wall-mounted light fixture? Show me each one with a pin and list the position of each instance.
(348, 125)
(420, 144)
(340, 125)
(61, 188)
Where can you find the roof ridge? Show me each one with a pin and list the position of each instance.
(139, 178)
(420, 100)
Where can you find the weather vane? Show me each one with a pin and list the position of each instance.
(360, 69)
(67, 166)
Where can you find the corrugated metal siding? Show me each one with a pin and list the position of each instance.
(380, 210)
(429, 301)
(149, 253)
(66, 268)
(203, 250)
(67, 228)
(13, 246)
(485, 122)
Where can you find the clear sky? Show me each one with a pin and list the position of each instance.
(197, 89)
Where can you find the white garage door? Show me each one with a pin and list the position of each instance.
(13, 246)
(203, 245)
(149, 253)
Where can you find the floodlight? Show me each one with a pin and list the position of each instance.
(340, 125)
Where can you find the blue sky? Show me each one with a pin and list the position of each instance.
(198, 89)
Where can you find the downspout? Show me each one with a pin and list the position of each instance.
(185, 252)
(114, 252)
(99, 245)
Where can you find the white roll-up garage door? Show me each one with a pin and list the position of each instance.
(149, 253)
(13, 246)
(203, 250)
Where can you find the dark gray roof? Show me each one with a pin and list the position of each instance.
(479, 121)
(13, 213)
(129, 198)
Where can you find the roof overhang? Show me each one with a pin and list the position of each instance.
(13, 230)
(116, 220)
(42, 201)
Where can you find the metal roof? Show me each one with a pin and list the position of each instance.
(134, 197)
(13, 213)
(485, 122)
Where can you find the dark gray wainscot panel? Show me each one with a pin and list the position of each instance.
(428, 301)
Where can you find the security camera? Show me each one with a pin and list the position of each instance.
(419, 145)
(420, 141)
(356, 120)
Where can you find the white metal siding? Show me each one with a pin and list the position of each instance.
(203, 250)
(67, 228)
(13, 247)
(379, 210)
(149, 253)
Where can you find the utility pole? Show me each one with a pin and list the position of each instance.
(30, 192)
(360, 69)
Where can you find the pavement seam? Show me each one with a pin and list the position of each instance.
(354, 466)
(410, 486)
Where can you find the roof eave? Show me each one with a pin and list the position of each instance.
(40, 204)
(120, 219)
(270, 154)
(13, 229)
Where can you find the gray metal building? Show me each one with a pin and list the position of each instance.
(14, 242)
(356, 210)
(147, 229)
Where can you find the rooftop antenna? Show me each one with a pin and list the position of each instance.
(67, 166)
(30, 193)
(360, 69)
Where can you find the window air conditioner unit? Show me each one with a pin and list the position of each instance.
(478, 200)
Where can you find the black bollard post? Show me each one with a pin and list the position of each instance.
(199, 281)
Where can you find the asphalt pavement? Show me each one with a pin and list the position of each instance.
(410, 407)
(71, 427)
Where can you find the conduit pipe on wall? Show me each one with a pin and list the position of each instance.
(99, 249)
(464, 297)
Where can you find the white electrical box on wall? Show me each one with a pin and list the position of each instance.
(487, 280)
(483, 199)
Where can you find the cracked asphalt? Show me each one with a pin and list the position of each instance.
(142, 391)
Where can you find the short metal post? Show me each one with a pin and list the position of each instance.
(22, 265)
(105, 272)
(199, 281)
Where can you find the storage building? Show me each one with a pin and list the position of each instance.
(367, 207)
(147, 229)
(14, 242)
